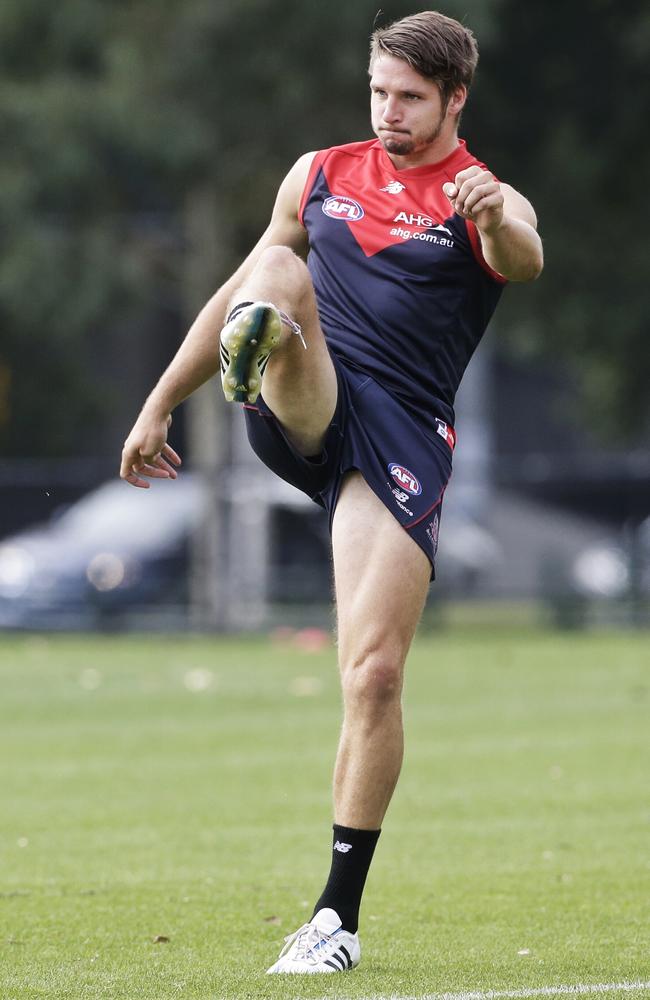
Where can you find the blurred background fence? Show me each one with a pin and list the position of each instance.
(142, 147)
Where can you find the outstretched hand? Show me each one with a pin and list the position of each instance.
(147, 454)
(476, 195)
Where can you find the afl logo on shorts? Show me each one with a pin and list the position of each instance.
(405, 479)
(339, 206)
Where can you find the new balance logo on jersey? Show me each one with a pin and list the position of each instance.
(394, 187)
(343, 848)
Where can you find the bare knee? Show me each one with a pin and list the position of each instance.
(372, 682)
(281, 277)
(288, 267)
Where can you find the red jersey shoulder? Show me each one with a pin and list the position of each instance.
(350, 154)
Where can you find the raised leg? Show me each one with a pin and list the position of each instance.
(299, 385)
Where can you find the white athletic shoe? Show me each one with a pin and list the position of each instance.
(319, 946)
(247, 343)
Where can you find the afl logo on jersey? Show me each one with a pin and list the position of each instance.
(339, 206)
(405, 479)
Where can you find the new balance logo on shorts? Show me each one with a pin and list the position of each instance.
(343, 848)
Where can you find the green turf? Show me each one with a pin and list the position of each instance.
(133, 807)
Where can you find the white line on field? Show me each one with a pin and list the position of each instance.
(542, 991)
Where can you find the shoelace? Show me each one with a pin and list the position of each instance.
(293, 326)
(306, 938)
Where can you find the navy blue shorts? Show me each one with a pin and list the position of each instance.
(407, 463)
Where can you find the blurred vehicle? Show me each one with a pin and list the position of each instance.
(602, 571)
(120, 557)
(115, 550)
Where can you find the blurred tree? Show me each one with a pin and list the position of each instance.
(113, 114)
(559, 111)
(73, 259)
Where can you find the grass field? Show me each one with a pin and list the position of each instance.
(171, 788)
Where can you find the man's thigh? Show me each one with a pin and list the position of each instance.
(381, 576)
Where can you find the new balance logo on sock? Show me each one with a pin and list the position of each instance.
(343, 848)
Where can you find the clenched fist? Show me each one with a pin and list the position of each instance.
(477, 196)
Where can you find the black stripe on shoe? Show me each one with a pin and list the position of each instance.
(333, 965)
(225, 360)
(347, 955)
(235, 311)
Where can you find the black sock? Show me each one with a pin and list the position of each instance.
(351, 857)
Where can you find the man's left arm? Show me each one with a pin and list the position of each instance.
(505, 220)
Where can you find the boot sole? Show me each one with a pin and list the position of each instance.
(248, 340)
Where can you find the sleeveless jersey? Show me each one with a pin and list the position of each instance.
(403, 291)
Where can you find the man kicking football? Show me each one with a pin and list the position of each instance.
(347, 366)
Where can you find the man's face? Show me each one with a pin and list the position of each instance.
(407, 110)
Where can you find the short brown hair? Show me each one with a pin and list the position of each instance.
(437, 47)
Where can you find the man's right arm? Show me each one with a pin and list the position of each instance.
(197, 359)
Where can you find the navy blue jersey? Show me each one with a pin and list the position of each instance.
(403, 291)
